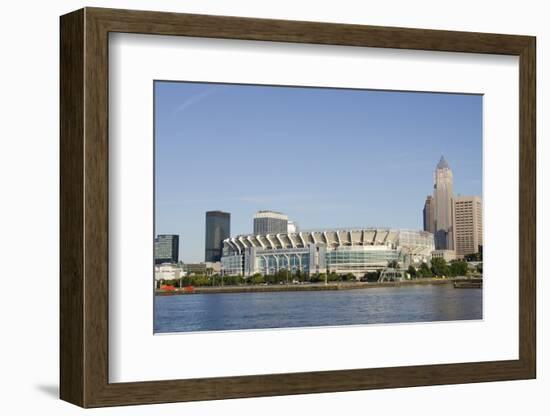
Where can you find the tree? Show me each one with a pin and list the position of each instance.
(458, 268)
(425, 271)
(216, 279)
(230, 280)
(440, 267)
(281, 276)
(394, 264)
(371, 276)
(257, 279)
(271, 278)
(412, 271)
(332, 277)
(318, 277)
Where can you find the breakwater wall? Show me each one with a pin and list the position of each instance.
(305, 287)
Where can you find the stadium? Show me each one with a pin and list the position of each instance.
(341, 251)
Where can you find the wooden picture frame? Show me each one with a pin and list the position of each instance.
(84, 207)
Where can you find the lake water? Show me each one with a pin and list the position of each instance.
(230, 311)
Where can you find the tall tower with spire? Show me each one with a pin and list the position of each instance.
(443, 206)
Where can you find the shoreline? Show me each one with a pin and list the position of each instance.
(312, 286)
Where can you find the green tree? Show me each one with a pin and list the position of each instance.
(458, 268)
(349, 277)
(440, 267)
(257, 279)
(425, 271)
(332, 277)
(282, 276)
(317, 277)
(412, 271)
(216, 279)
(371, 276)
(394, 264)
(229, 280)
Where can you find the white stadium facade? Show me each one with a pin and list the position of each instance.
(341, 251)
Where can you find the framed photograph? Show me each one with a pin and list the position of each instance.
(254, 207)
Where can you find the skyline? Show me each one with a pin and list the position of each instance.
(328, 158)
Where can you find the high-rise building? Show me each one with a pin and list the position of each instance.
(443, 206)
(218, 228)
(468, 225)
(292, 227)
(428, 215)
(270, 222)
(167, 248)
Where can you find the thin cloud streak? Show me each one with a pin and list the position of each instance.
(194, 99)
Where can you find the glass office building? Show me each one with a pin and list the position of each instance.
(167, 248)
(218, 228)
(270, 222)
(354, 251)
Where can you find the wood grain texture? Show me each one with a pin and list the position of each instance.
(84, 207)
(527, 208)
(71, 208)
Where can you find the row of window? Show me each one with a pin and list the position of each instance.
(358, 257)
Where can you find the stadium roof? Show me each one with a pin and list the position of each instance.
(329, 238)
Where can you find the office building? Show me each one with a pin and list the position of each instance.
(168, 272)
(428, 215)
(468, 225)
(167, 248)
(447, 255)
(205, 268)
(218, 228)
(270, 222)
(292, 227)
(443, 206)
(355, 251)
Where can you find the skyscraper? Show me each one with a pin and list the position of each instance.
(468, 225)
(428, 215)
(270, 222)
(218, 228)
(292, 227)
(443, 206)
(167, 248)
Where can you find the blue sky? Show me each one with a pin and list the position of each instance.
(326, 157)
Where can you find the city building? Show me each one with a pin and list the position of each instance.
(270, 222)
(354, 251)
(468, 225)
(428, 215)
(218, 228)
(292, 227)
(447, 255)
(443, 206)
(168, 272)
(167, 248)
(204, 268)
(177, 271)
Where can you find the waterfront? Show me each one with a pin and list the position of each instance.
(232, 311)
